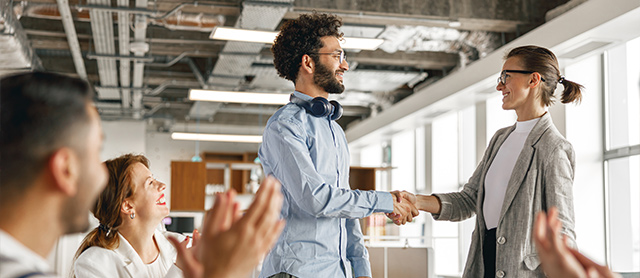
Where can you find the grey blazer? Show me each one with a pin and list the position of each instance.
(542, 178)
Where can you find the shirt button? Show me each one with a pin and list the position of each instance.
(501, 240)
(500, 273)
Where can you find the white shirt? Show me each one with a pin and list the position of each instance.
(499, 173)
(125, 262)
(17, 260)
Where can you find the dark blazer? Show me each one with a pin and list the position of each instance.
(542, 178)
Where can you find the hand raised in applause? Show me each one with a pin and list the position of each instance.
(556, 257)
(404, 207)
(230, 245)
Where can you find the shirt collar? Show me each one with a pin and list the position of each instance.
(13, 249)
(302, 96)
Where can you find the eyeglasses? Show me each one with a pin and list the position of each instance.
(342, 56)
(503, 75)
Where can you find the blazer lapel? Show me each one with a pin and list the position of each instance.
(167, 251)
(131, 261)
(523, 164)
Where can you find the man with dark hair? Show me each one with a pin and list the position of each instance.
(307, 151)
(50, 168)
(51, 174)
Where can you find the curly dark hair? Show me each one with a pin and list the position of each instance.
(299, 37)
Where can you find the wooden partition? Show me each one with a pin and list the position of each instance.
(188, 185)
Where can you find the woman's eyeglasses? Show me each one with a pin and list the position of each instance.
(503, 75)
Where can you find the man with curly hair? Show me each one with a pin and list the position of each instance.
(307, 151)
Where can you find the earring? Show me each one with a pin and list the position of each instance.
(132, 215)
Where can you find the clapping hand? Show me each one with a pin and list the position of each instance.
(230, 245)
(556, 257)
(404, 207)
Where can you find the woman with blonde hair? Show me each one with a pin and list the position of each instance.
(127, 242)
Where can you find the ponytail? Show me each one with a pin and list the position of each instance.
(572, 91)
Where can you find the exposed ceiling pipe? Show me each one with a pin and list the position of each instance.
(139, 48)
(172, 83)
(102, 29)
(72, 38)
(172, 62)
(196, 72)
(125, 64)
(178, 20)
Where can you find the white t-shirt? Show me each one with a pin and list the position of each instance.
(158, 268)
(499, 173)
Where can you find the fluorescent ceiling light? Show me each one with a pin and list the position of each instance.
(217, 137)
(360, 43)
(238, 97)
(244, 35)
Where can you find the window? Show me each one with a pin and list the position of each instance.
(445, 235)
(622, 156)
(584, 129)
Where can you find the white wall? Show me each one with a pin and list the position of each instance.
(122, 137)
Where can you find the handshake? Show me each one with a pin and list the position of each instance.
(404, 207)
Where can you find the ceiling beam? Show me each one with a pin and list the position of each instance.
(420, 60)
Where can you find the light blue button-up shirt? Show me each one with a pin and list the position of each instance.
(322, 238)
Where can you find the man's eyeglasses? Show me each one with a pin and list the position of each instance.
(340, 54)
(503, 75)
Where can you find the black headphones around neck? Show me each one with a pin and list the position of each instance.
(319, 107)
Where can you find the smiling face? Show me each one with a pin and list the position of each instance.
(148, 201)
(329, 72)
(520, 93)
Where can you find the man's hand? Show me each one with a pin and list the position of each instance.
(404, 209)
(232, 247)
(556, 257)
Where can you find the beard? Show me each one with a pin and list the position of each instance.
(327, 80)
(90, 183)
(75, 212)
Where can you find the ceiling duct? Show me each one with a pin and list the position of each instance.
(15, 53)
(471, 45)
(177, 21)
(104, 43)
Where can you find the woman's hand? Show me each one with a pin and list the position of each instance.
(187, 257)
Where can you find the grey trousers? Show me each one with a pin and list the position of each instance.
(282, 275)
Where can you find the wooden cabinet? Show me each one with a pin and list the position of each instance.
(188, 181)
(363, 178)
(222, 164)
(366, 178)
